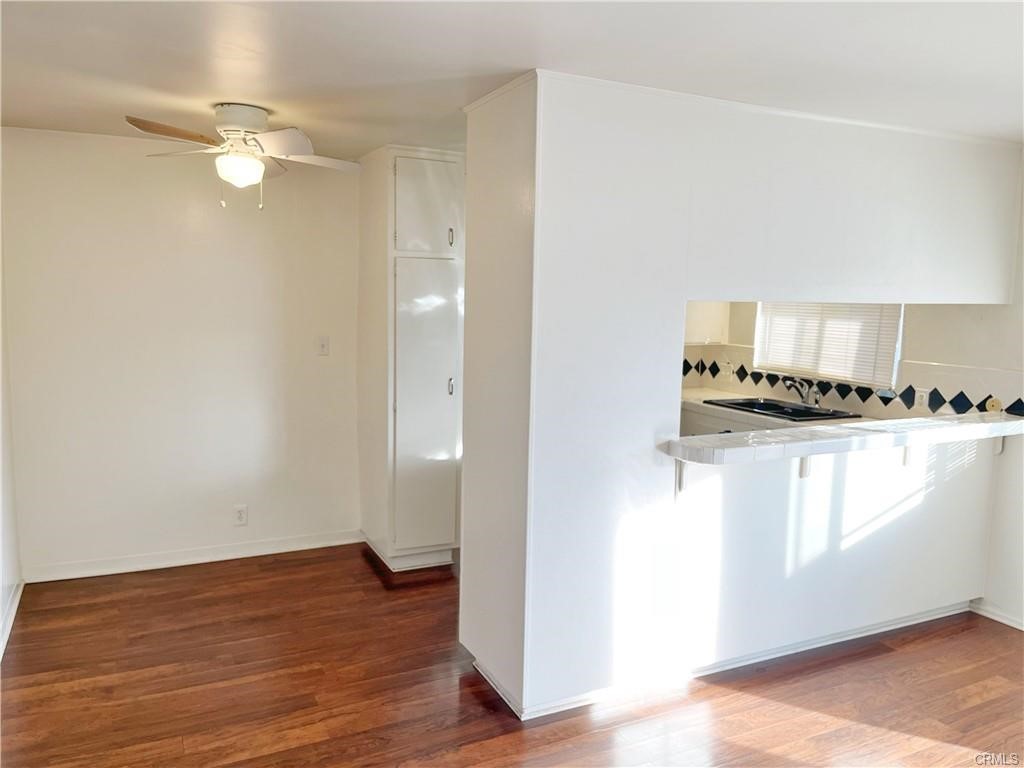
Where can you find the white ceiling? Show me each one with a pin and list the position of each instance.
(355, 76)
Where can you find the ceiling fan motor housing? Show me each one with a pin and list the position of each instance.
(236, 121)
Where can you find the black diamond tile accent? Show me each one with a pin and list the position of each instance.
(686, 366)
(961, 403)
(843, 390)
(1016, 408)
(935, 400)
(907, 397)
(713, 369)
(885, 395)
(741, 373)
(864, 393)
(756, 376)
(772, 379)
(824, 387)
(701, 367)
(983, 404)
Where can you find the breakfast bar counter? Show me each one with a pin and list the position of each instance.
(795, 442)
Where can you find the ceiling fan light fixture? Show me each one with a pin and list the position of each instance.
(240, 170)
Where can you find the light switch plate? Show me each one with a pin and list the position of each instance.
(323, 346)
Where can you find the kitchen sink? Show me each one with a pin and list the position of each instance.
(780, 409)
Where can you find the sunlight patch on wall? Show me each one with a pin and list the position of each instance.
(666, 557)
(810, 513)
(881, 487)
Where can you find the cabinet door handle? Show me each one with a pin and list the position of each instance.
(451, 237)
(451, 386)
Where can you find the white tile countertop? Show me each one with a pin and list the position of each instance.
(694, 402)
(700, 394)
(769, 444)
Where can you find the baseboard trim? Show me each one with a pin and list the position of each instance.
(10, 611)
(79, 569)
(513, 702)
(982, 609)
(573, 702)
(431, 558)
(838, 637)
(419, 577)
(529, 713)
(605, 694)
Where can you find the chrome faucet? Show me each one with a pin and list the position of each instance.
(807, 390)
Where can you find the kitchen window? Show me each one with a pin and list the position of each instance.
(855, 343)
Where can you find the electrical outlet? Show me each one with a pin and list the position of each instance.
(242, 514)
(323, 346)
(920, 399)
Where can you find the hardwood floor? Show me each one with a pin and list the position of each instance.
(305, 659)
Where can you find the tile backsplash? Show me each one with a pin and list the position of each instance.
(944, 389)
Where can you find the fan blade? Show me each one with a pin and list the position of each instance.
(326, 162)
(283, 142)
(272, 168)
(207, 151)
(170, 132)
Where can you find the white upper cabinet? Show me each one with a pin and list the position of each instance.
(707, 322)
(428, 206)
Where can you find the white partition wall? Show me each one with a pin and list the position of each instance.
(595, 210)
(501, 152)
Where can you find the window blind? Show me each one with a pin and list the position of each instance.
(857, 343)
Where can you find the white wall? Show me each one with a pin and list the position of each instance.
(163, 356)
(1004, 590)
(599, 409)
(496, 384)
(604, 391)
(372, 370)
(789, 207)
(754, 560)
(10, 560)
(645, 199)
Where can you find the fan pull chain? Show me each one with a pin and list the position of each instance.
(223, 202)
(261, 194)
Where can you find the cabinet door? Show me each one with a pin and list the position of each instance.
(426, 418)
(707, 322)
(428, 206)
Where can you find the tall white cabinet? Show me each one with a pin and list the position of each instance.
(410, 331)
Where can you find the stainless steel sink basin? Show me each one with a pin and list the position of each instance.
(780, 409)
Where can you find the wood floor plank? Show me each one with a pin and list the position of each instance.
(305, 659)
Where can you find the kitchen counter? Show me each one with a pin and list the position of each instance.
(693, 404)
(700, 394)
(852, 435)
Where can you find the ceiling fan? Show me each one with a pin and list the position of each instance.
(247, 153)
